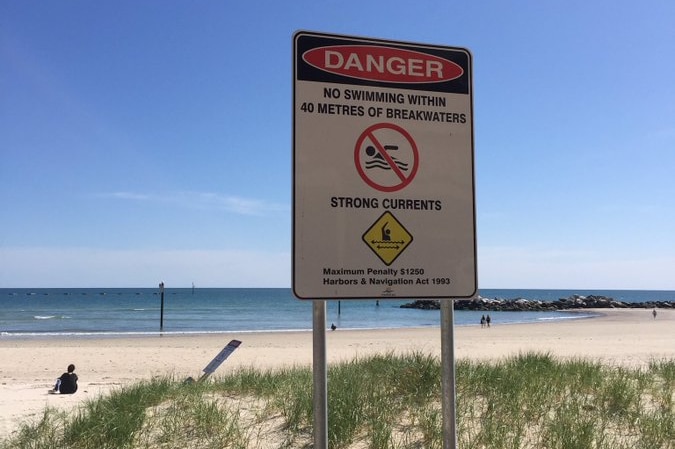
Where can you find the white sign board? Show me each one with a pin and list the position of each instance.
(383, 176)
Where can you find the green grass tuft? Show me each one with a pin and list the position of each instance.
(385, 401)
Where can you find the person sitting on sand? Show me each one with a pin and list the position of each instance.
(67, 383)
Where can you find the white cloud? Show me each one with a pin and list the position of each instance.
(91, 267)
(499, 267)
(509, 267)
(204, 200)
(127, 196)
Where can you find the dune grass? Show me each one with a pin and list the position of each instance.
(386, 401)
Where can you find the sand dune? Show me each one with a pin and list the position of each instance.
(30, 366)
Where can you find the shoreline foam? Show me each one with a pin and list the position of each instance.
(21, 335)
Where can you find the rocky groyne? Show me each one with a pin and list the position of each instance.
(535, 305)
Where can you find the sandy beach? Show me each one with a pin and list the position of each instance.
(630, 337)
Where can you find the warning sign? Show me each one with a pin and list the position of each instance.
(387, 238)
(386, 157)
(382, 152)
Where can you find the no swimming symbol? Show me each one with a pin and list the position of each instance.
(386, 157)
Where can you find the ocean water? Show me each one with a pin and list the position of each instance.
(26, 313)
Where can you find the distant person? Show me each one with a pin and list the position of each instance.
(67, 383)
(654, 313)
(487, 320)
(482, 321)
(333, 326)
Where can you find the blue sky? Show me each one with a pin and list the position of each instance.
(151, 140)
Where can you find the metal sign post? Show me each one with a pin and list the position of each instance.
(320, 376)
(383, 184)
(448, 393)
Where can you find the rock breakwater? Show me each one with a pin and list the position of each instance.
(535, 305)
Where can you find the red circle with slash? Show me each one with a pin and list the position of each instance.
(379, 150)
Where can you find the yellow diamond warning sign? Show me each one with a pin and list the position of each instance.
(387, 238)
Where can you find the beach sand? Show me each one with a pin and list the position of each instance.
(629, 337)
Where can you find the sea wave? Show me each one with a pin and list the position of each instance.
(141, 334)
(573, 317)
(80, 334)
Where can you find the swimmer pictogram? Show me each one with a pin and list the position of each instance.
(387, 238)
(386, 157)
(378, 161)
